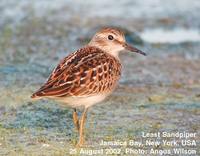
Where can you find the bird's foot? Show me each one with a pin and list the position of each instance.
(81, 143)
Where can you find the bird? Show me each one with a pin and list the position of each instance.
(87, 76)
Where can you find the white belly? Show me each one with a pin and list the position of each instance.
(85, 101)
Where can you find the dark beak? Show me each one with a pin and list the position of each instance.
(133, 49)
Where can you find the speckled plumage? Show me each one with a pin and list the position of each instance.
(88, 71)
(87, 76)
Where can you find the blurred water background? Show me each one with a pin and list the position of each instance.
(160, 92)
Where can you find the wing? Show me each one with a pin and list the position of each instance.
(85, 72)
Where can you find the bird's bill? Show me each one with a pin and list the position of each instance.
(133, 49)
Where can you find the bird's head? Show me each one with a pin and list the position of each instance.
(113, 41)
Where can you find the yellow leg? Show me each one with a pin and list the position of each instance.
(75, 120)
(81, 130)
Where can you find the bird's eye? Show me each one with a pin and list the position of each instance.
(110, 37)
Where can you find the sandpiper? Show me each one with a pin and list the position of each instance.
(87, 76)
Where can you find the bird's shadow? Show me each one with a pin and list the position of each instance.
(42, 115)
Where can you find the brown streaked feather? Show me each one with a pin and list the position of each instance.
(86, 72)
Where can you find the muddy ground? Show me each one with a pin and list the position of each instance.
(160, 92)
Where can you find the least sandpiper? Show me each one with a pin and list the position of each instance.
(87, 76)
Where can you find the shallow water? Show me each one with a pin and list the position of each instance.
(174, 36)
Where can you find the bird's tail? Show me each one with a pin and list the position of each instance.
(35, 96)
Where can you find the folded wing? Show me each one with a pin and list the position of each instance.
(86, 72)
